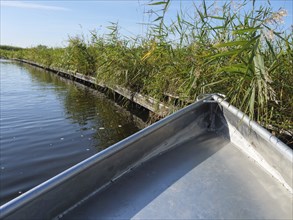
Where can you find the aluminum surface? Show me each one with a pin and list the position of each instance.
(268, 151)
(101, 169)
(206, 177)
(204, 161)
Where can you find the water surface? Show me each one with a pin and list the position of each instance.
(49, 124)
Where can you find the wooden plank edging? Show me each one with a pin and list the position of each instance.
(147, 102)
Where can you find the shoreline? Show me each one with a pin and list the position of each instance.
(159, 109)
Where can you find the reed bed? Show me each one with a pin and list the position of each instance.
(237, 49)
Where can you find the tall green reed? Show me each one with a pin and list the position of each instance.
(231, 48)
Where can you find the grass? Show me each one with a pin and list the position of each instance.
(237, 50)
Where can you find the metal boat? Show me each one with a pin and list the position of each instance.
(208, 160)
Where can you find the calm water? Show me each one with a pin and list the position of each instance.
(49, 124)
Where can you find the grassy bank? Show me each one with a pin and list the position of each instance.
(238, 50)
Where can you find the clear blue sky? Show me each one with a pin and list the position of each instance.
(30, 23)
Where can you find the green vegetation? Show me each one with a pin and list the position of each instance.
(235, 49)
(8, 51)
(6, 47)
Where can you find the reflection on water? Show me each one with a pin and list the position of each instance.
(91, 110)
(48, 124)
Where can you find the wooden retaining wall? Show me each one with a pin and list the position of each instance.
(158, 108)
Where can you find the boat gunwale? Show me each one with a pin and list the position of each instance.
(32, 194)
(265, 134)
(10, 207)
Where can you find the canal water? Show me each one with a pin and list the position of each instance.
(49, 124)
